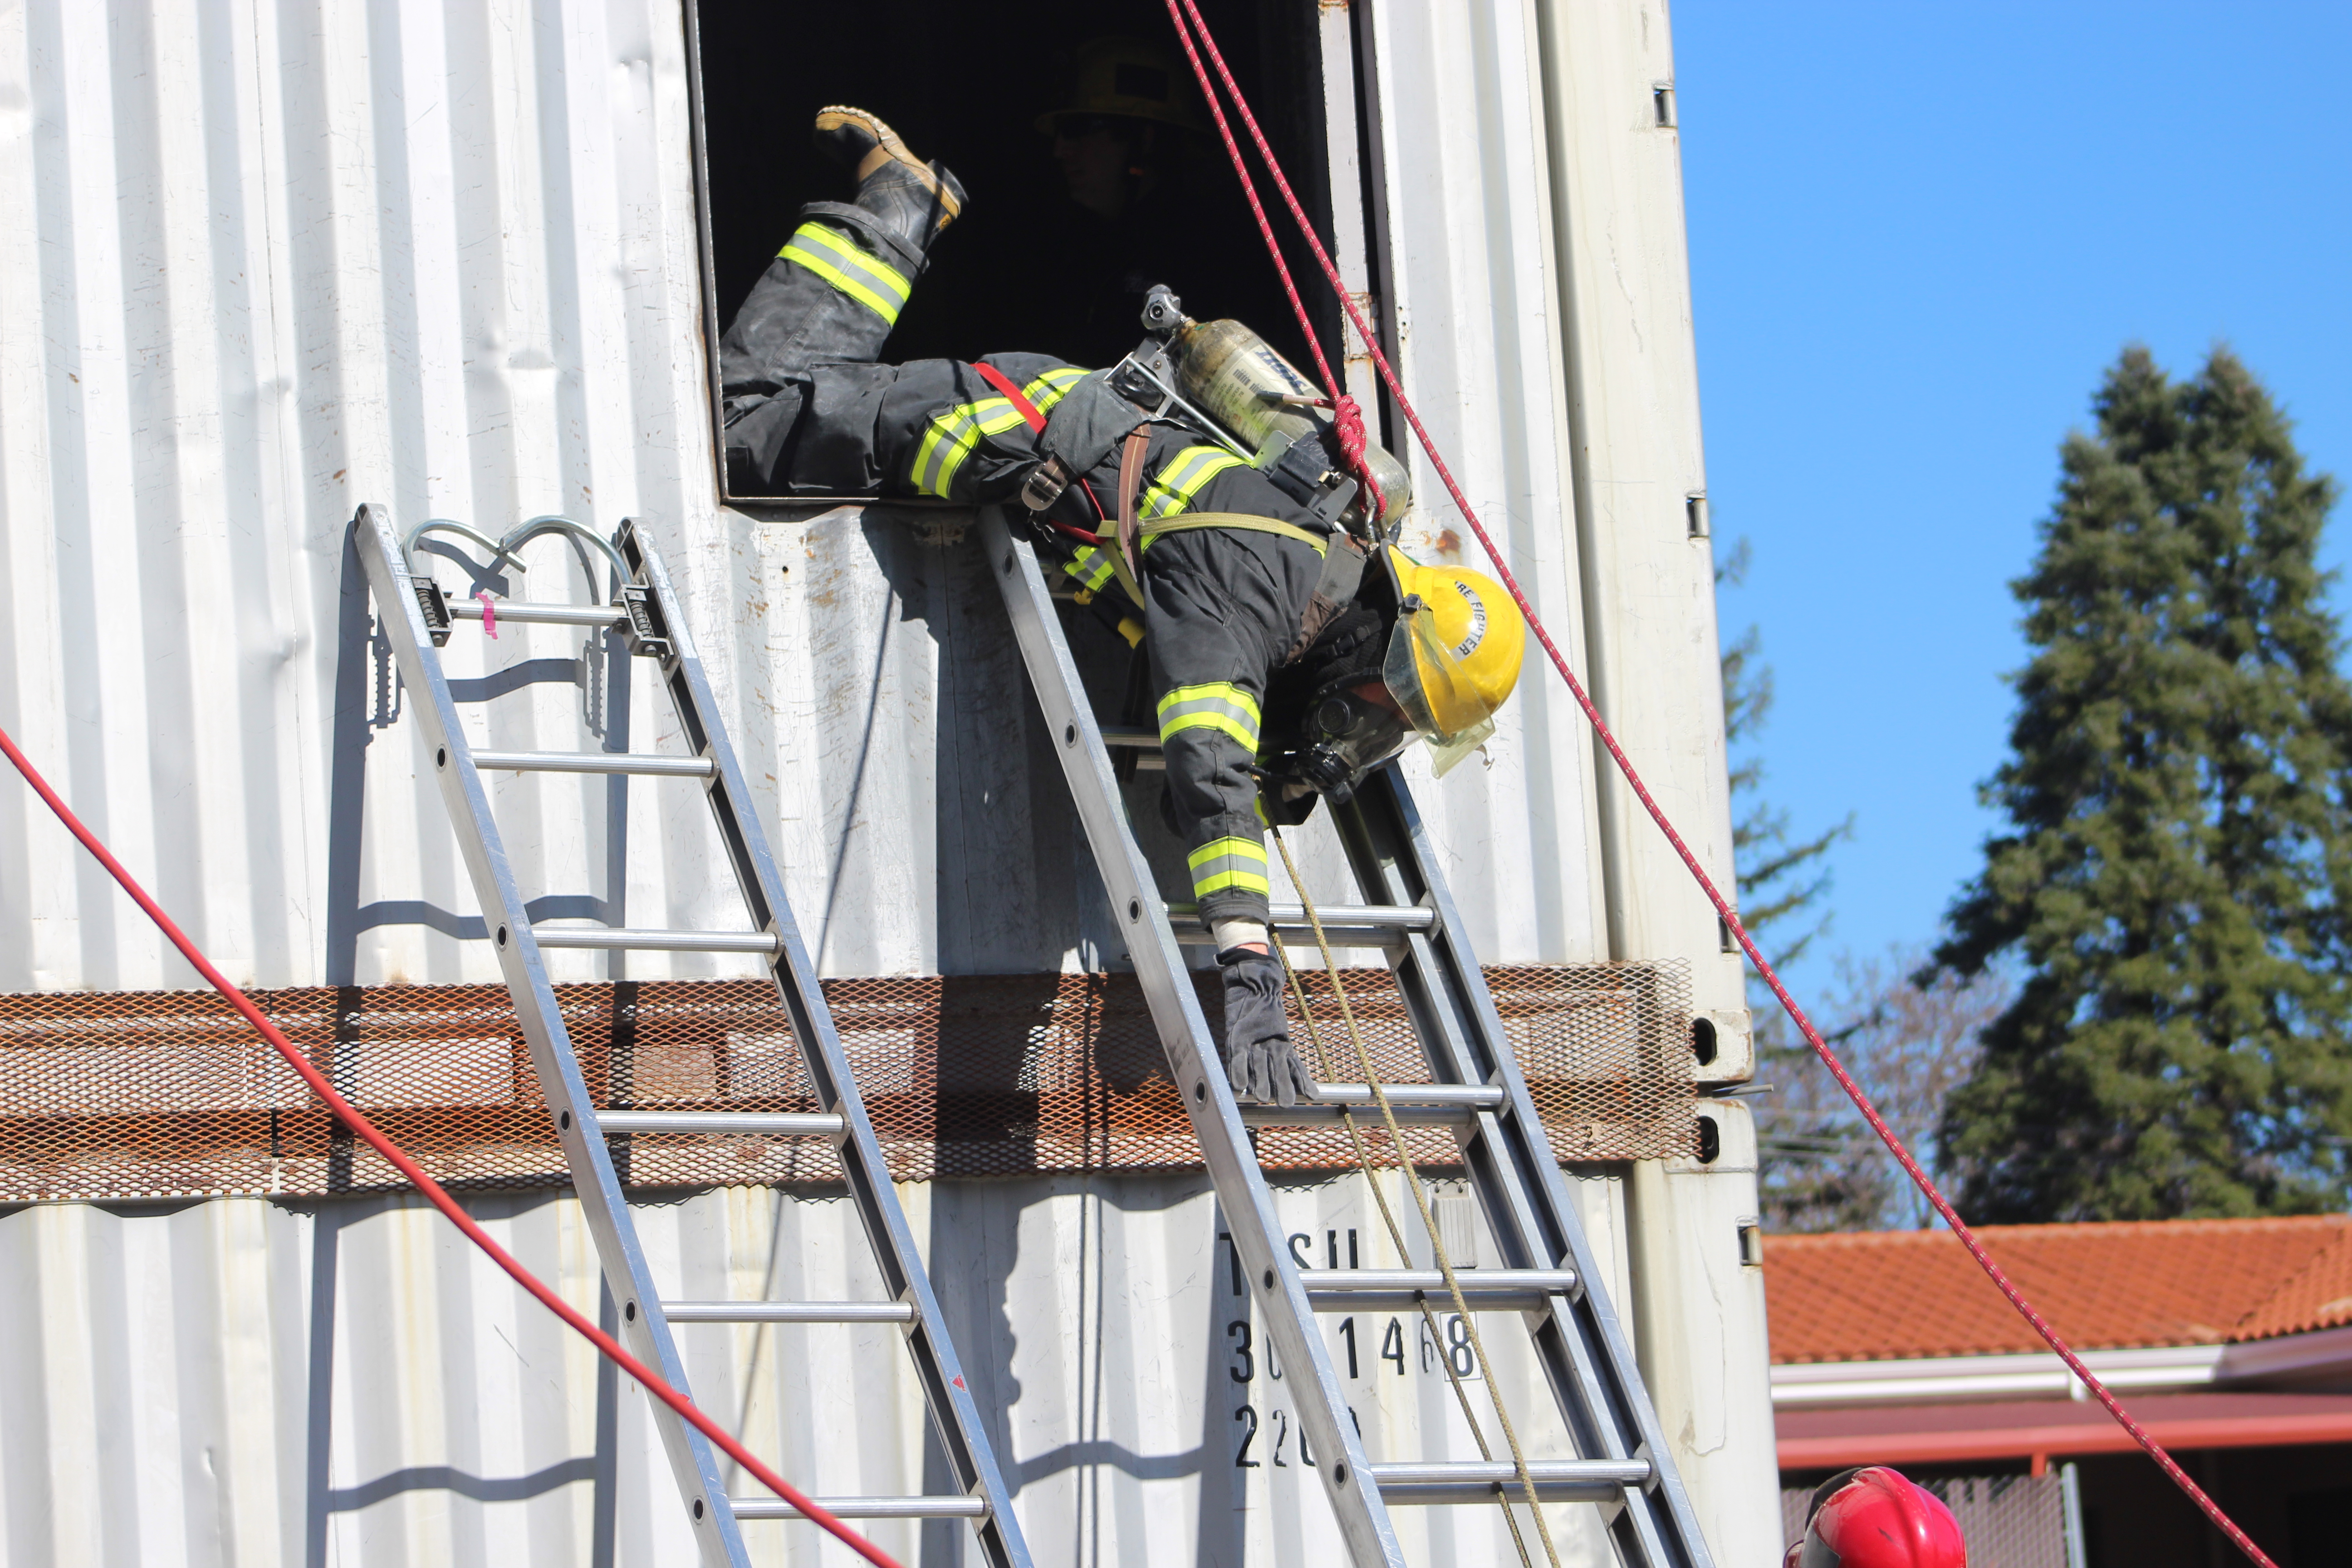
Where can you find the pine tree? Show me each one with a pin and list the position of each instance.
(2175, 882)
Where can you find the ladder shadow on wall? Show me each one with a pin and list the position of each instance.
(323, 1501)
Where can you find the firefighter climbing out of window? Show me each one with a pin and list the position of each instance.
(1190, 491)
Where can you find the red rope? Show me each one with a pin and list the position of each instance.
(1346, 419)
(440, 1199)
(1179, 12)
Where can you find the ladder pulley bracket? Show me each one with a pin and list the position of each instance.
(644, 630)
(433, 603)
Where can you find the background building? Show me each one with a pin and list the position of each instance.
(2229, 1339)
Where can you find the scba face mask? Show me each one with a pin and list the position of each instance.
(1449, 659)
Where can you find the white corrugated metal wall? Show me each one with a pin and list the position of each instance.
(261, 262)
(246, 1383)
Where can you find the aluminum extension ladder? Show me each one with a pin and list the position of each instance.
(416, 616)
(1547, 1275)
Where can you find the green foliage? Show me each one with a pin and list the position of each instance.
(2175, 883)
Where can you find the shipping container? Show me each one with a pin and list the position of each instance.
(260, 264)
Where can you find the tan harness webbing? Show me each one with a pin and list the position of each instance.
(1154, 528)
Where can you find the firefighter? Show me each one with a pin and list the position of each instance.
(1878, 1518)
(1129, 144)
(1252, 601)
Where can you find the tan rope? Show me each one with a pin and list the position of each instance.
(1421, 1201)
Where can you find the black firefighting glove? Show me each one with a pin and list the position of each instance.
(1259, 1061)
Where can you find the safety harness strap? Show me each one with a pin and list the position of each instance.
(1148, 530)
(1013, 394)
(1131, 482)
(1341, 567)
(1154, 528)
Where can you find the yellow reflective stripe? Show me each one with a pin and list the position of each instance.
(1223, 863)
(1181, 478)
(953, 433)
(1091, 567)
(875, 284)
(1218, 705)
(1048, 388)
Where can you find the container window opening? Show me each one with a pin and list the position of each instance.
(1092, 169)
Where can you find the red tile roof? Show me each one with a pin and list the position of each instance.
(1897, 1294)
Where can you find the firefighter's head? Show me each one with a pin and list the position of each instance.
(1875, 1518)
(1125, 96)
(1437, 666)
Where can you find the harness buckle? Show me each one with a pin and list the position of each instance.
(1046, 484)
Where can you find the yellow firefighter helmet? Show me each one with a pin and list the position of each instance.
(1455, 656)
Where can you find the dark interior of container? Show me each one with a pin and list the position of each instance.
(1024, 267)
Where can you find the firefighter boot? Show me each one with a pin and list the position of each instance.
(909, 201)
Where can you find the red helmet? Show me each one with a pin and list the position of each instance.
(1874, 1518)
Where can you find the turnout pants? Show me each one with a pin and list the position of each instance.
(810, 410)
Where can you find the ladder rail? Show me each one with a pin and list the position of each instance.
(717, 1538)
(956, 1420)
(1347, 1482)
(1522, 1189)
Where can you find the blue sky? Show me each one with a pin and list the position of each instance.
(1919, 234)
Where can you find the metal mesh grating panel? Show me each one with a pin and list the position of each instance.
(169, 1094)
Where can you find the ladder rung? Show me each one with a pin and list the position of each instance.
(1148, 739)
(1416, 1104)
(721, 1123)
(552, 615)
(1462, 1096)
(788, 1312)
(1328, 1115)
(1339, 919)
(1476, 1481)
(1401, 1290)
(593, 762)
(867, 1507)
(655, 941)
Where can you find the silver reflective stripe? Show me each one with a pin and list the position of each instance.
(1091, 567)
(1231, 862)
(1213, 705)
(1047, 389)
(873, 283)
(953, 433)
(1172, 490)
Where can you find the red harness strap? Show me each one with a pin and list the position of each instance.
(1013, 394)
(1036, 420)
